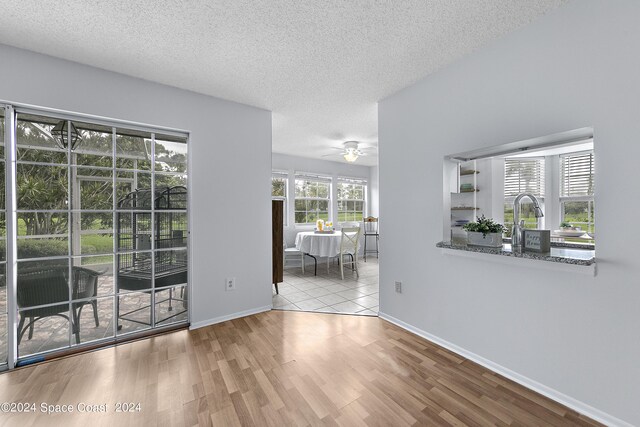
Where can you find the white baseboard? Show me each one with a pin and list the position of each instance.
(231, 316)
(567, 401)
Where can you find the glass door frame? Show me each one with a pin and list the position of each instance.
(11, 110)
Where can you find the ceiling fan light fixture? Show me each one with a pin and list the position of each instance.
(351, 152)
(351, 155)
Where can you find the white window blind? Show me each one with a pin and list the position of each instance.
(345, 180)
(312, 177)
(576, 174)
(523, 175)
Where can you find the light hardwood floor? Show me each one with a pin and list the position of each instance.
(280, 368)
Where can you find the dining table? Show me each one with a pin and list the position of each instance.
(319, 245)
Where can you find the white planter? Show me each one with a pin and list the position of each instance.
(492, 240)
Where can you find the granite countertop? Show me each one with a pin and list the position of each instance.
(565, 255)
(556, 244)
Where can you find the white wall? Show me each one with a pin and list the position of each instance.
(374, 192)
(292, 164)
(579, 335)
(226, 185)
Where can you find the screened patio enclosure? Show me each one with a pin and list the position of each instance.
(85, 216)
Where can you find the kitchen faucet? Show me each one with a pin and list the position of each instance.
(516, 230)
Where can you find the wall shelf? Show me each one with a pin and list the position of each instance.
(468, 172)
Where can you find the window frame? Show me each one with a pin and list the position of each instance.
(589, 198)
(317, 179)
(352, 181)
(542, 173)
(285, 177)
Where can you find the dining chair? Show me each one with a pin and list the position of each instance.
(292, 253)
(349, 247)
(371, 230)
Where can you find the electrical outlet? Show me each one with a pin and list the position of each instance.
(399, 287)
(230, 284)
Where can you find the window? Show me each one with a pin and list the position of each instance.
(279, 190)
(313, 197)
(523, 175)
(576, 190)
(351, 199)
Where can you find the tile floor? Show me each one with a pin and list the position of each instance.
(327, 292)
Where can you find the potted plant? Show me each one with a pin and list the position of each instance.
(567, 226)
(484, 232)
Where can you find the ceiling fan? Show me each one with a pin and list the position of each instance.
(350, 151)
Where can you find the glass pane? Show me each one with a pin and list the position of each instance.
(171, 305)
(94, 319)
(359, 192)
(133, 150)
(35, 141)
(169, 180)
(134, 312)
(577, 214)
(96, 147)
(323, 205)
(92, 233)
(3, 237)
(312, 190)
(300, 217)
(42, 329)
(42, 282)
(171, 156)
(300, 188)
(358, 216)
(133, 190)
(3, 289)
(323, 190)
(42, 234)
(351, 206)
(312, 205)
(278, 187)
(93, 189)
(323, 215)
(170, 268)
(42, 187)
(2, 132)
(2, 184)
(3, 339)
(95, 271)
(171, 230)
(41, 247)
(133, 271)
(133, 231)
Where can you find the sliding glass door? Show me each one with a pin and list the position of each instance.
(100, 231)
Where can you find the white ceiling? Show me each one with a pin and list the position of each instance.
(320, 66)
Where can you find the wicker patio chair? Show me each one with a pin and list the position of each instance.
(39, 286)
(85, 285)
(49, 285)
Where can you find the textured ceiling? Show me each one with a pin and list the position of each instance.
(320, 66)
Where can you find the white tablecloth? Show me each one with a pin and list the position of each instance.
(320, 245)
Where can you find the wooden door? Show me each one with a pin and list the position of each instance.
(277, 241)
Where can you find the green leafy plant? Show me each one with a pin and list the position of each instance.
(484, 225)
(565, 224)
